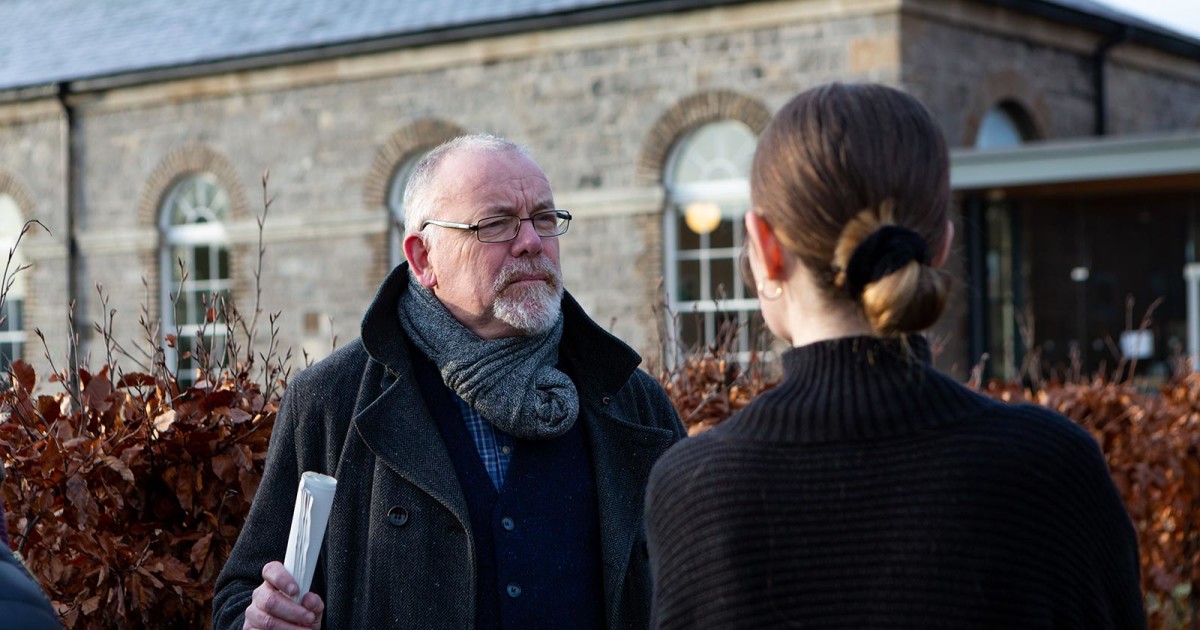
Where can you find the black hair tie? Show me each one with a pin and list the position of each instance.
(885, 251)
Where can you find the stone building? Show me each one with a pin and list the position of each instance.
(138, 134)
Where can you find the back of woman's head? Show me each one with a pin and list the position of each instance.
(854, 181)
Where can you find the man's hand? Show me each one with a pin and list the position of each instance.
(272, 607)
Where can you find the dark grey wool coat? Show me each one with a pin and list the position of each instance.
(359, 416)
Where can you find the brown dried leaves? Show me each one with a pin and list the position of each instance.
(125, 505)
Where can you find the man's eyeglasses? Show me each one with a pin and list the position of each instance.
(504, 228)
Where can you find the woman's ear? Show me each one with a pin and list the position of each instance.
(417, 254)
(943, 255)
(766, 245)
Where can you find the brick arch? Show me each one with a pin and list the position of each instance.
(1010, 90)
(422, 134)
(11, 186)
(691, 112)
(185, 161)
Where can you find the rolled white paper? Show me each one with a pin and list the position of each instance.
(314, 500)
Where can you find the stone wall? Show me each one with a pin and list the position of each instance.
(586, 113)
(600, 106)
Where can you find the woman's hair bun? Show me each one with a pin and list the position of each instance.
(885, 268)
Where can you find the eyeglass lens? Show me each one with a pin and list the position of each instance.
(507, 227)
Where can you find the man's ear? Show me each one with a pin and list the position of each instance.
(769, 247)
(417, 254)
(944, 254)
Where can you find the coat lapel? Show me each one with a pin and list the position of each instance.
(397, 427)
(393, 419)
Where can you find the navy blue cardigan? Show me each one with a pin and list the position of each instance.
(537, 540)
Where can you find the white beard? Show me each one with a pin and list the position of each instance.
(532, 309)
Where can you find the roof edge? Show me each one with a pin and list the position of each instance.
(1076, 160)
(1134, 31)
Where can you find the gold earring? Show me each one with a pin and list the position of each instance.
(762, 292)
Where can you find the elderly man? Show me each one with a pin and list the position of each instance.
(491, 442)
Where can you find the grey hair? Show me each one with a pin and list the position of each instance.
(422, 192)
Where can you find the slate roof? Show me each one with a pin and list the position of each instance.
(48, 41)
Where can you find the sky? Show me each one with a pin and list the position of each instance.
(1179, 15)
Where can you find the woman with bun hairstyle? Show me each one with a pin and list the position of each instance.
(868, 490)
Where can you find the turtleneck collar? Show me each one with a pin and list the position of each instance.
(853, 389)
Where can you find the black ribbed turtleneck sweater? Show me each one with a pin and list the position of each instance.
(868, 490)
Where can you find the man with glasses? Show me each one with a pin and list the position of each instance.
(491, 442)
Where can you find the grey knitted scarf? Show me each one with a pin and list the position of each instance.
(510, 381)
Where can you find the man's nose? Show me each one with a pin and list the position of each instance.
(527, 241)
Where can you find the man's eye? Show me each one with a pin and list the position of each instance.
(494, 227)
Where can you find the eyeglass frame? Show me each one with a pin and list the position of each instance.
(474, 227)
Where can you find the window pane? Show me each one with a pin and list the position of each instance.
(6, 317)
(689, 281)
(9, 352)
(691, 325)
(998, 131)
(198, 199)
(182, 261)
(215, 345)
(728, 327)
(723, 235)
(219, 204)
(722, 271)
(179, 307)
(197, 302)
(202, 271)
(222, 262)
(720, 150)
(687, 238)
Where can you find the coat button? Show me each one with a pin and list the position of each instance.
(398, 516)
(514, 589)
(507, 523)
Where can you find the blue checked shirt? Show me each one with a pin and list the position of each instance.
(495, 446)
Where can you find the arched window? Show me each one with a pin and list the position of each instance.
(395, 204)
(195, 273)
(708, 194)
(12, 326)
(1004, 126)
